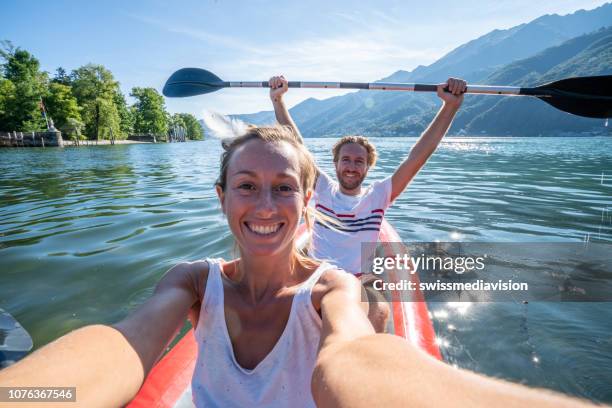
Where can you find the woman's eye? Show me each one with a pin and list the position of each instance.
(246, 186)
(285, 189)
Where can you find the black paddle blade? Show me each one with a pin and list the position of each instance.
(584, 96)
(191, 82)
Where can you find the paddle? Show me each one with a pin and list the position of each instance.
(15, 342)
(583, 96)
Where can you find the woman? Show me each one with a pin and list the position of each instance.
(258, 319)
(270, 326)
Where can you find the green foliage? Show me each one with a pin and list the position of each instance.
(94, 88)
(86, 103)
(7, 99)
(187, 121)
(73, 129)
(61, 77)
(61, 105)
(126, 119)
(175, 121)
(193, 127)
(149, 112)
(28, 86)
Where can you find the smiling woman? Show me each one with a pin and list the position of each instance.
(264, 203)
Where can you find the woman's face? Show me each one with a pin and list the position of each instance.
(263, 198)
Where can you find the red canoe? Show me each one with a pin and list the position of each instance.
(169, 382)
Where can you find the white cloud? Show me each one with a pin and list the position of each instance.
(364, 54)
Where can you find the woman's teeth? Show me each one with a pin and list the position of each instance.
(264, 229)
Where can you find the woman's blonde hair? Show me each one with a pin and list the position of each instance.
(307, 167)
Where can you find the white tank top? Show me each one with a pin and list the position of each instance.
(281, 379)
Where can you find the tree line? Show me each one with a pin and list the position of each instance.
(85, 103)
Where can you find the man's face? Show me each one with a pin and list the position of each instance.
(352, 167)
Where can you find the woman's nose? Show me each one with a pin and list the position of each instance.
(266, 205)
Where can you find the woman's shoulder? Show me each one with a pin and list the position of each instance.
(335, 280)
(191, 276)
(332, 273)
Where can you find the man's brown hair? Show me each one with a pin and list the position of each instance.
(360, 140)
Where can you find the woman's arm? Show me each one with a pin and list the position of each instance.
(386, 370)
(356, 368)
(344, 310)
(154, 324)
(107, 364)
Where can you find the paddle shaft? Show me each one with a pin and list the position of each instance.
(584, 96)
(391, 86)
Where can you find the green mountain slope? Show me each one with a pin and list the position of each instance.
(586, 55)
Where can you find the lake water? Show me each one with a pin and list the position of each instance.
(85, 234)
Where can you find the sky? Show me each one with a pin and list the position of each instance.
(143, 42)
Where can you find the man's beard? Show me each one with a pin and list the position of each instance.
(349, 185)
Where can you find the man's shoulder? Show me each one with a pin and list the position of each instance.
(380, 190)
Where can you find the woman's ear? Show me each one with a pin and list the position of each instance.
(221, 196)
(307, 197)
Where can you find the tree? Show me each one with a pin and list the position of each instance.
(28, 86)
(73, 129)
(108, 118)
(61, 77)
(126, 119)
(61, 105)
(94, 88)
(193, 127)
(176, 121)
(149, 112)
(7, 99)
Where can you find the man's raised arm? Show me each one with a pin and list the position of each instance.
(430, 139)
(278, 87)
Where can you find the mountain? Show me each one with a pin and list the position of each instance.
(476, 59)
(587, 55)
(487, 59)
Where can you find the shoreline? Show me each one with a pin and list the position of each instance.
(105, 142)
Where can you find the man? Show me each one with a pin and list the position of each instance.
(357, 211)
